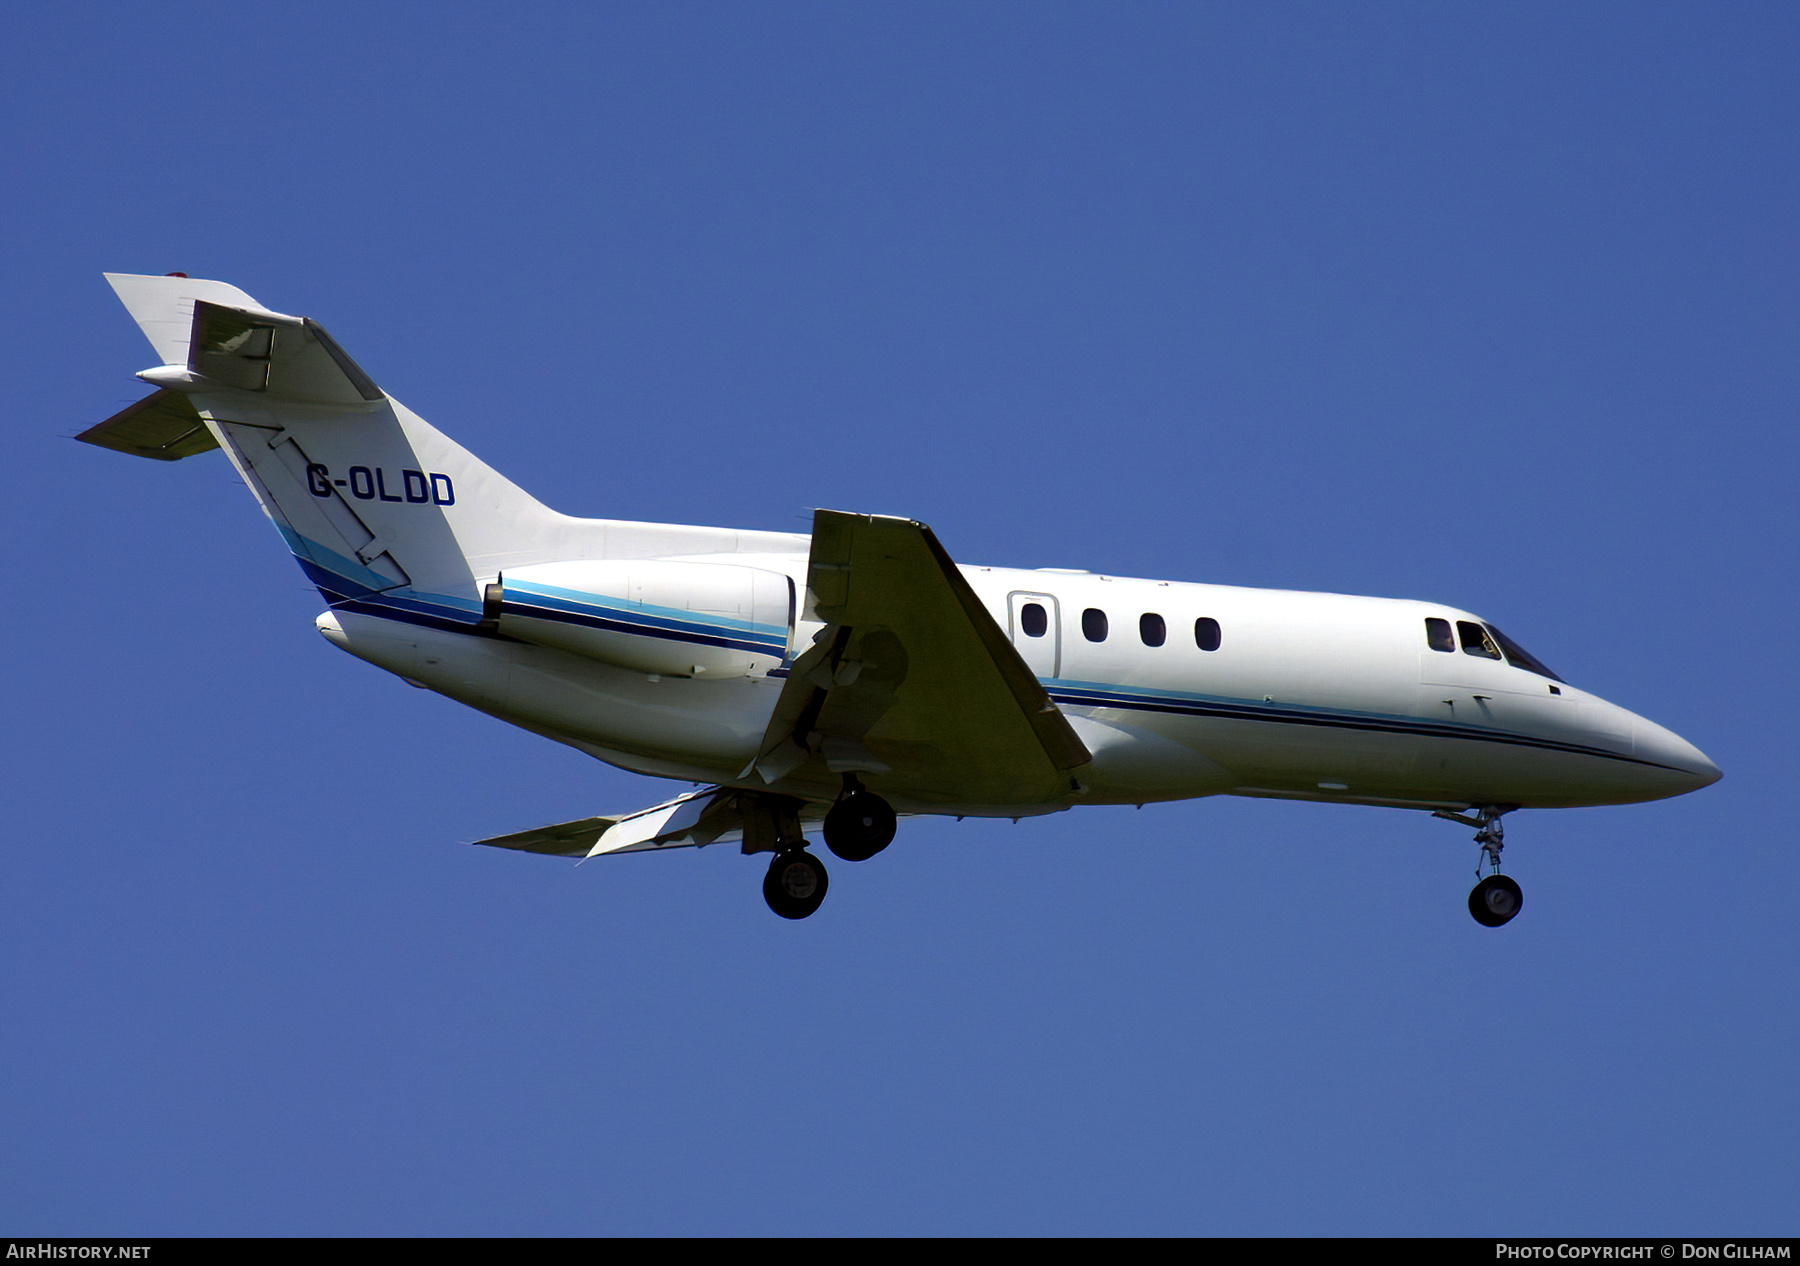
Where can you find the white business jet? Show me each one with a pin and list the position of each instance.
(840, 679)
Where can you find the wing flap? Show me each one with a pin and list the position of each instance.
(223, 335)
(692, 821)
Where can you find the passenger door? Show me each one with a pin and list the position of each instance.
(1035, 626)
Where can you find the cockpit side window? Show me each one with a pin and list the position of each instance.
(1438, 635)
(1519, 657)
(1475, 640)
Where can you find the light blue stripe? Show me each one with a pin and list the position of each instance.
(671, 617)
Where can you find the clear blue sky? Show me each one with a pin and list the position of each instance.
(1494, 305)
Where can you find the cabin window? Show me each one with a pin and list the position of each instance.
(1475, 640)
(1093, 624)
(1152, 629)
(1033, 620)
(1438, 635)
(1206, 633)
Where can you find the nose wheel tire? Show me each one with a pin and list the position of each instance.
(1495, 900)
(859, 826)
(795, 885)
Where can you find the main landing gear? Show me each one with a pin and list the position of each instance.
(1496, 899)
(796, 883)
(858, 826)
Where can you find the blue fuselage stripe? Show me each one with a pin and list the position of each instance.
(438, 611)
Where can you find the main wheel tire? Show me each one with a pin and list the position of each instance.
(1495, 900)
(859, 826)
(796, 883)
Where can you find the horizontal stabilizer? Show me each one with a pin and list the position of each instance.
(163, 307)
(288, 358)
(165, 426)
(224, 338)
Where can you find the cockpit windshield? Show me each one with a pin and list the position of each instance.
(1519, 657)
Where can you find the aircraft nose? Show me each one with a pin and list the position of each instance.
(1687, 767)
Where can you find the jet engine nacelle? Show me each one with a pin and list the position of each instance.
(715, 620)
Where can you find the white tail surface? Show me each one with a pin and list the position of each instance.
(386, 514)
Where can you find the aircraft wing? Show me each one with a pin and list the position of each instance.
(911, 684)
(711, 815)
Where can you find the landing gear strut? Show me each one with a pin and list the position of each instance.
(860, 824)
(1496, 899)
(796, 882)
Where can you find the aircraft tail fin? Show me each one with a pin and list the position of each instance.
(385, 513)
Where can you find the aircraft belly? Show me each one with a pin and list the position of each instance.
(715, 723)
(1315, 760)
(1139, 758)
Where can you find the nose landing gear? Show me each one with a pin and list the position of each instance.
(1496, 899)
